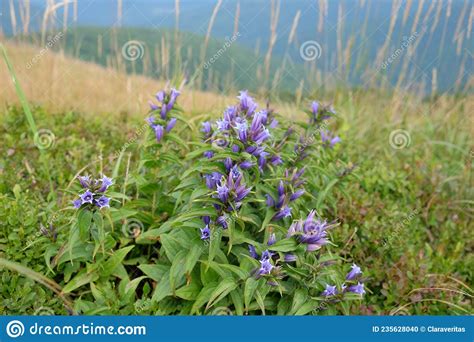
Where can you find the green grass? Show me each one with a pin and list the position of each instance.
(406, 214)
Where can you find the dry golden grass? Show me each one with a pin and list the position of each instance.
(60, 83)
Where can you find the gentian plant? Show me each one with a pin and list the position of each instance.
(228, 212)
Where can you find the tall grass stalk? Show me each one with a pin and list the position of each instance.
(29, 115)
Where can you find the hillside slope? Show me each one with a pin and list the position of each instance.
(61, 83)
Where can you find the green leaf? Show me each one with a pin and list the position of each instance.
(221, 291)
(322, 195)
(163, 288)
(216, 235)
(177, 269)
(114, 261)
(251, 286)
(299, 298)
(193, 257)
(155, 272)
(171, 245)
(285, 245)
(84, 220)
(203, 296)
(79, 280)
(237, 299)
(189, 292)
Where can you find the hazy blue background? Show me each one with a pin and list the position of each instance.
(435, 50)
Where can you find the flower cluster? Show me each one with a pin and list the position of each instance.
(268, 255)
(319, 113)
(243, 129)
(162, 124)
(355, 285)
(206, 231)
(230, 191)
(265, 259)
(94, 192)
(311, 232)
(288, 191)
(329, 139)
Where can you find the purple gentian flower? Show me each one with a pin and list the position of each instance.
(206, 219)
(281, 189)
(212, 179)
(173, 96)
(354, 272)
(87, 197)
(296, 195)
(284, 212)
(274, 123)
(266, 255)
(152, 105)
(246, 165)
(205, 233)
(222, 221)
(85, 181)
(329, 139)
(171, 124)
(241, 192)
(223, 192)
(223, 125)
(106, 182)
(206, 128)
(270, 201)
(103, 202)
(150, 120)
(235, 148)
(311, 232)
(77, 203)
(208, 154)
(290, 257)
(253, 252)
(329, 291)
(276, 160)
(271, 239)
(159, 131)
(241, 128)
(160, 96)
(315, 108)
(359, 288)
(228, 163)
(265, 267)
